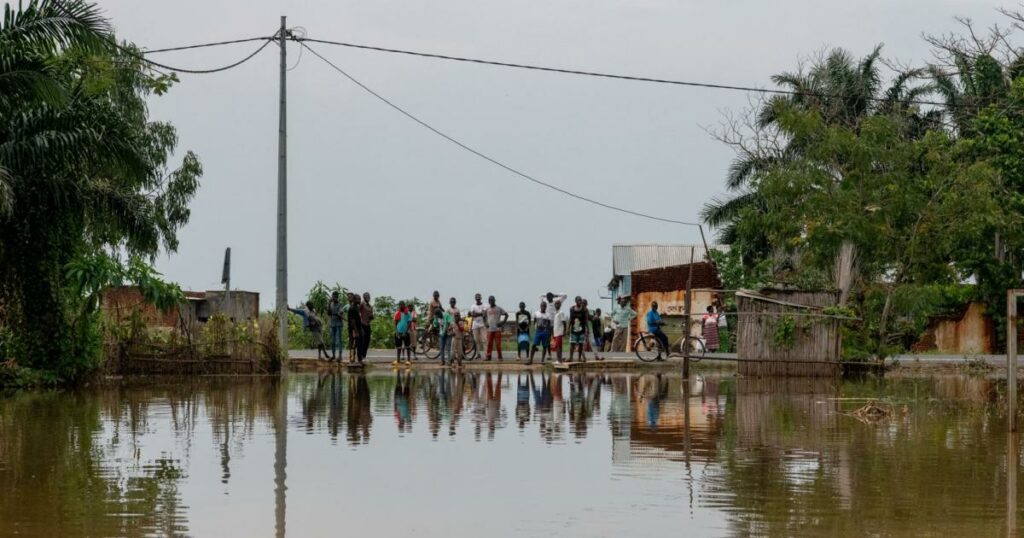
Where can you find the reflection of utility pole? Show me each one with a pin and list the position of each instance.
(1012, 460)
(280, 455)
(686, 434)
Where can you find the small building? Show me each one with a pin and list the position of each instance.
(122, 302)
(785, 332)
(626, 259)
(667, 286)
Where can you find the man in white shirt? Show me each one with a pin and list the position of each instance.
(550, 299)
(543, 320)
(558, 330)
(479, 328)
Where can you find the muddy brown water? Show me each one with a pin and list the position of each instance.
(509, 454)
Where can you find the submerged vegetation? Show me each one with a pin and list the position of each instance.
(905, 196)
(87, 191)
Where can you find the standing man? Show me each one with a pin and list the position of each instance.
(336, 311)
(523, 320)
(366, 319)
(316, 327)
(578, 328)
(654, 323)
(494, 317)
(622, 317)
(432, 308)
(597, 333)
(478, 328)
(550, 299)
(403, 325)
(543, 320)
(457, 335)
(355, 329)
(558, 323)
(445, 332)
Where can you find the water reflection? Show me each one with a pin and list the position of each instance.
(647, 453)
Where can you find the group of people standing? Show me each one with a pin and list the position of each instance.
(356, 312)
(544, 330)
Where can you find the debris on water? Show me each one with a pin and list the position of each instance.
(872, 412)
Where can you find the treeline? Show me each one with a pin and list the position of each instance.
(902, 188)
(88, 195)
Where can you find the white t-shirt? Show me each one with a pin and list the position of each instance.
(478, 311)
(538, 316)
(559, 320)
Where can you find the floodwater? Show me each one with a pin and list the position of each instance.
(500, 454)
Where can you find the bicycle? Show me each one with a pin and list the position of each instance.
(428, 344)
(648, 348)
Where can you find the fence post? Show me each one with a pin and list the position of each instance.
(1011, 357)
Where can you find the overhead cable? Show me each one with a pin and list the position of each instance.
(486, 157)
(140, 55)
(204, 45)
(768, 91)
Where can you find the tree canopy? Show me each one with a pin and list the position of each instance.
(83, 170)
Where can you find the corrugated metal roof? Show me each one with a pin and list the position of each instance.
(629, 258)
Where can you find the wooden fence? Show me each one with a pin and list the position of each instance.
(786, 333)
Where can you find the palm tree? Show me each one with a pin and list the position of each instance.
(843, 92)
(81, 167)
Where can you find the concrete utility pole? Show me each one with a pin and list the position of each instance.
(282, 200)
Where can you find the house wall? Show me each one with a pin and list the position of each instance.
(973, 333)
(672, 306)
(121, 302)
(236, 305)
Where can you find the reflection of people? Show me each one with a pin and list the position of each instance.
(523, 399)
(359, 416)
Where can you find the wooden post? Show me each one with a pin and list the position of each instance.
(1011, 357)
(688, 301)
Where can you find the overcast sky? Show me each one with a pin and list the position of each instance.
(379, 204)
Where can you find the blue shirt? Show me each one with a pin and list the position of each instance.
(653, 321)
(403, 322)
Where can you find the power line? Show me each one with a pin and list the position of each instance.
(486, 157)
(203, 45)
(140, 55)
(709, 85)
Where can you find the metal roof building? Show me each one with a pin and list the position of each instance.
(627, 259)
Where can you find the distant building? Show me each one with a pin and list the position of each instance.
(648, 273)
(627, 259)
(121, 302)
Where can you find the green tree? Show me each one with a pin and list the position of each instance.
(82, 170)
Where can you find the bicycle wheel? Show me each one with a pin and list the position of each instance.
(431, 346)
(647, 348)
(469, 351)
(694, 348)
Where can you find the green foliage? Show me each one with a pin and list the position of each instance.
(922, 206)
(784, 335)
(82, 171)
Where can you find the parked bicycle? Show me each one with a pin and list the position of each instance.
(648, 348)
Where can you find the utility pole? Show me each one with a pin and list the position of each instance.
(282, 200)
